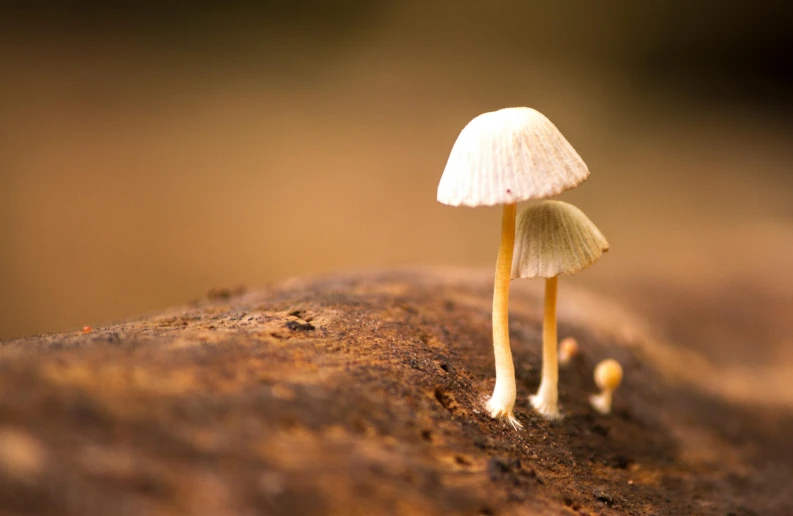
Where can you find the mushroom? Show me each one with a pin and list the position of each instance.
(553, 238)
(568, 349)
(608, 376)
(502, 158)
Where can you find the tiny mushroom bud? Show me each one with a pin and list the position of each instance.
(502, 158)
(568, 349)
(608, 376)
(553, 238)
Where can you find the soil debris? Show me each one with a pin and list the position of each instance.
(298, 326)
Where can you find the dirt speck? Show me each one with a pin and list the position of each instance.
(298, 326)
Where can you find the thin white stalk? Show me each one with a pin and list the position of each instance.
(546, 401)
(502, 401)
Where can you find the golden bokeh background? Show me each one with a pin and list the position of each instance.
(152, 152)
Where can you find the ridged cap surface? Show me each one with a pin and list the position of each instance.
(555, 238)
(508, 156)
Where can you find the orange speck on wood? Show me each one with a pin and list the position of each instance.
(87, 329)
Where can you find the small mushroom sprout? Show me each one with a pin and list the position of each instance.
(568, 349)
(553, 238)
(502, 158)
(608, 376)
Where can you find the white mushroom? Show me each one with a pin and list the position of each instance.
(505, 157)
(553, 238)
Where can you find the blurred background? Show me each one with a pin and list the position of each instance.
(150, 151)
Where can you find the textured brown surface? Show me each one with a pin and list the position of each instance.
(364, 394)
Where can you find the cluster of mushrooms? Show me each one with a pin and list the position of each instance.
(502, 158)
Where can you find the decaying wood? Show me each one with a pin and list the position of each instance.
(361, 395)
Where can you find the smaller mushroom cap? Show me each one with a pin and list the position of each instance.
(508, 156)
(608, 374)
(568, 348)
(553, 238)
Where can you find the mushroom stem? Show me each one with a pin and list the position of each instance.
(502, 401)
(546, 399)
(602, 401)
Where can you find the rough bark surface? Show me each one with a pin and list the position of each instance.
(362, 395)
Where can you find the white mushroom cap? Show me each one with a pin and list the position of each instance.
(508, 156)
(553, 238)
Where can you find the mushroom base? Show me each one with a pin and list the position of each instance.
(546, 402)
(601, 402)
(500, 406)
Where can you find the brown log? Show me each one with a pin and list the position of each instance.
(363, 394)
